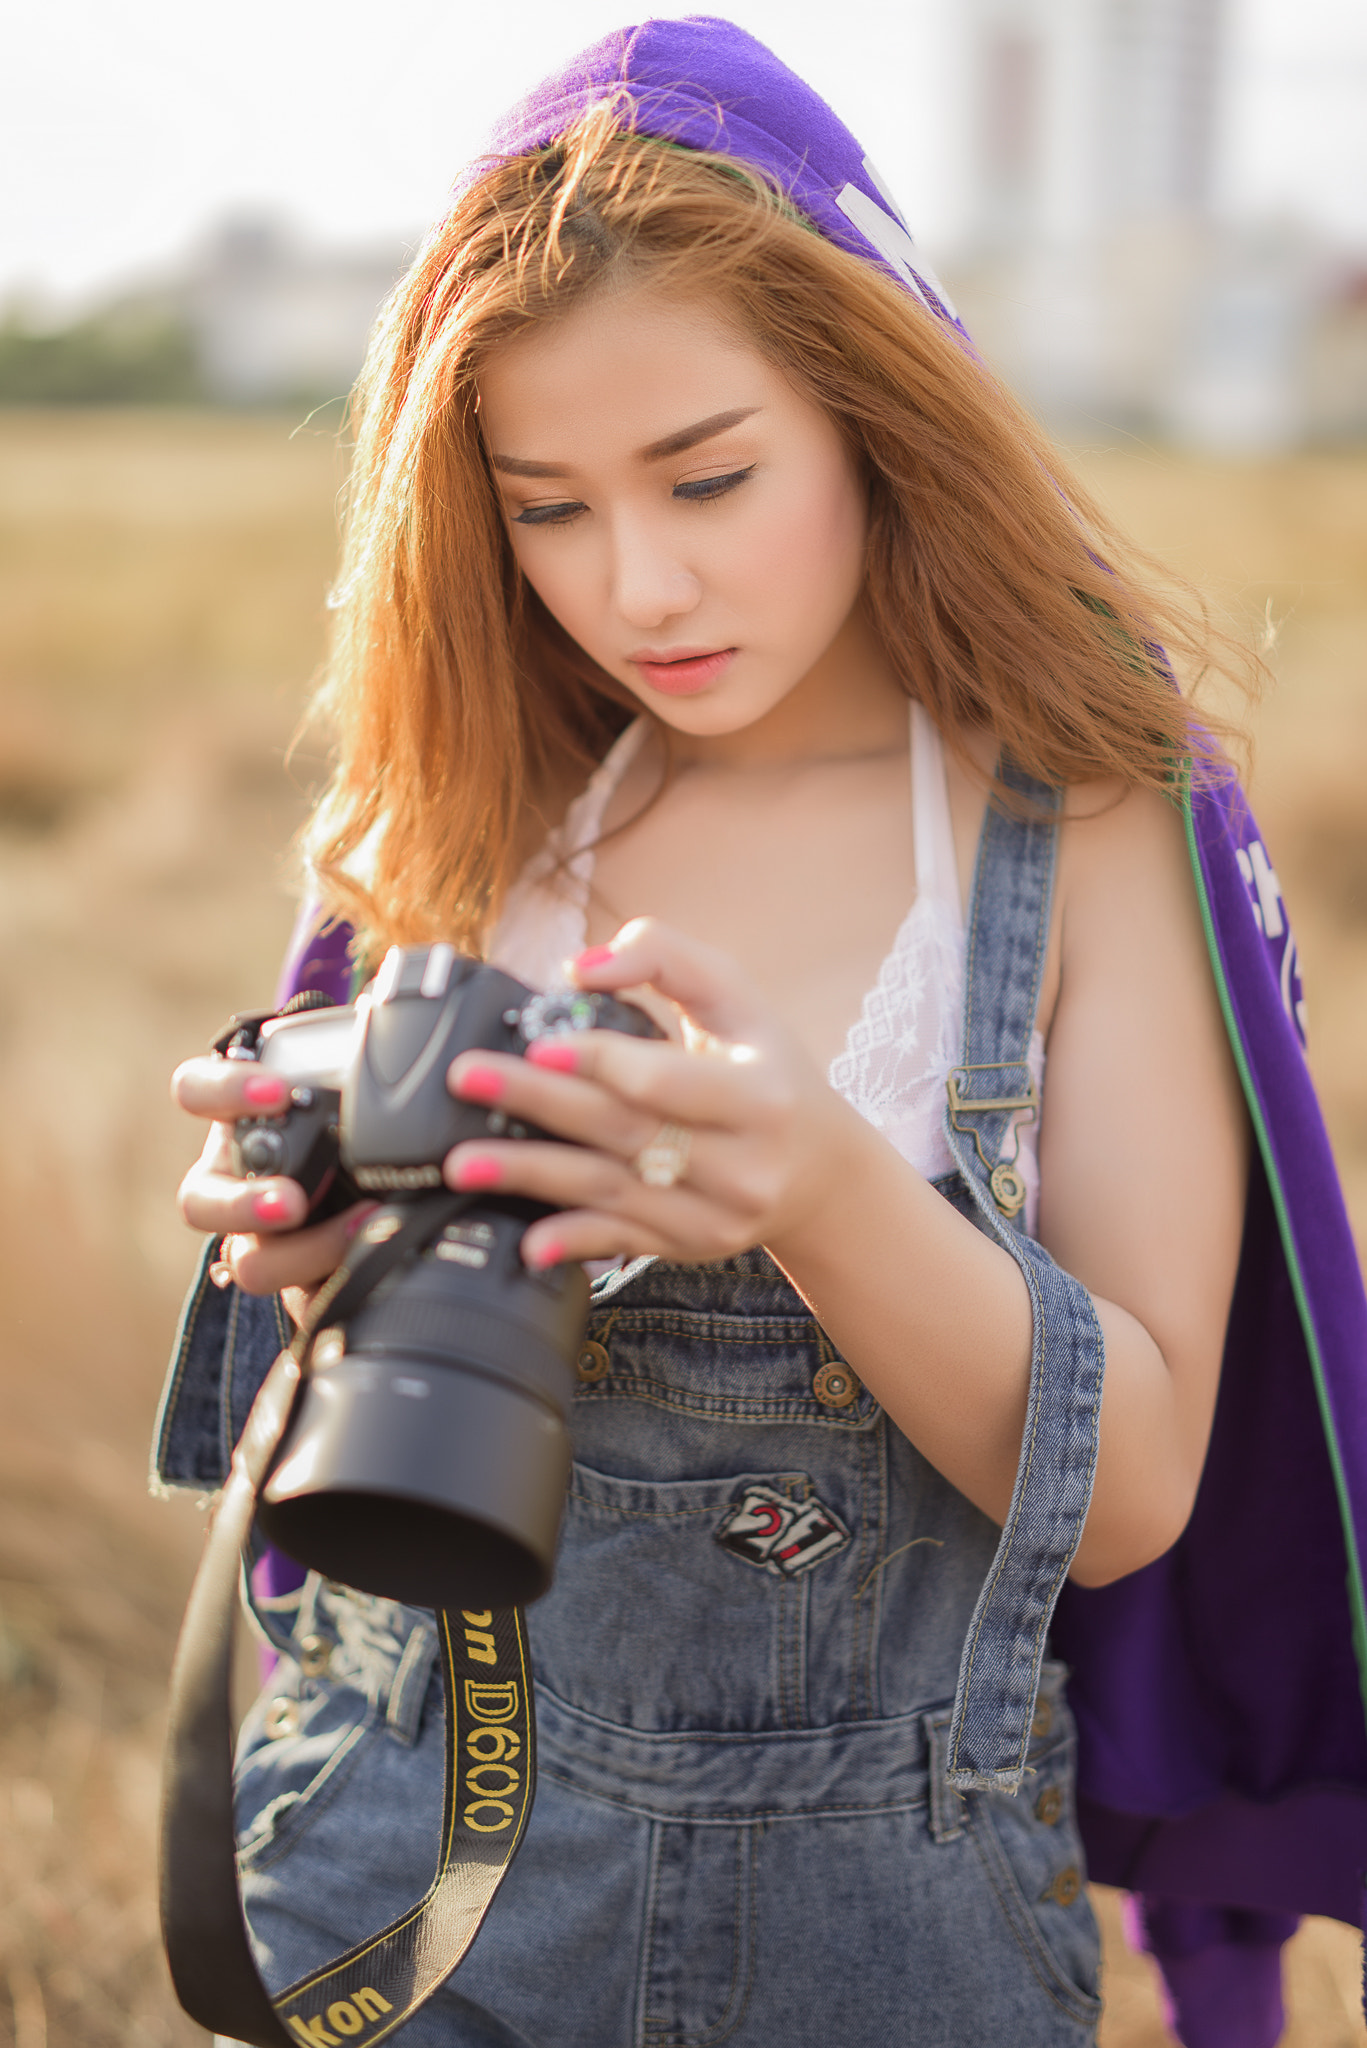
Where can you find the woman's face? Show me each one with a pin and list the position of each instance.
(691, 520)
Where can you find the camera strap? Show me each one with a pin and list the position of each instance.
(489, 1776)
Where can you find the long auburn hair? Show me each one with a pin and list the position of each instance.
(461, 713)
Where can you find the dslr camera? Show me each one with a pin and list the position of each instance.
(428, 1453)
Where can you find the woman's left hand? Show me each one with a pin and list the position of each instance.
(756, 1134)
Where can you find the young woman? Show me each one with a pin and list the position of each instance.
(712, 622)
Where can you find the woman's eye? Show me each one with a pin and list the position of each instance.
(548, 515)
(714, 486)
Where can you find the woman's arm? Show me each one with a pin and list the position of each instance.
(1143, 1157)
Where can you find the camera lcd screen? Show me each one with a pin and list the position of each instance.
(316, 1047)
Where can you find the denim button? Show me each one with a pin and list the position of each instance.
(282, 1718)
(1043, 1721)
(592, 1363)
(315, 1654)
(835, 1386)
(1049, 1805)
(1066, 1887)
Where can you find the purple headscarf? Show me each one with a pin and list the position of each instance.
(1219, 1693)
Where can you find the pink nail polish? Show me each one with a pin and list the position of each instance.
(478, 1173)
(271, 1206)
(353, 1223)
(591, 959)
(548, 1254)
(481, 1084)
(555, 1054)
(265, 1091)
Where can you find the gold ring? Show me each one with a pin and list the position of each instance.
(664, 1161)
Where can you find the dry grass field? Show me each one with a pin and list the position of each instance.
(160, 599)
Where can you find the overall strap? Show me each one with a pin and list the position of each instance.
(999, 1672)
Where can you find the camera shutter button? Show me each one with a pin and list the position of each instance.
(592, 1363)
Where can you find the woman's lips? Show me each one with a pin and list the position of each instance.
(681, 674)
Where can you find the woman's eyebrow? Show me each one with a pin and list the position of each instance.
(672, 444)
(514, 465)
(702, 430)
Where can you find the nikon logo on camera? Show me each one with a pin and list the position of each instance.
(381, 1179)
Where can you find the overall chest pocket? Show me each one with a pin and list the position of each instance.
(682, 1604)
(726, 1365)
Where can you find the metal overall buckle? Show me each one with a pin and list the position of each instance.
(1005, 1180)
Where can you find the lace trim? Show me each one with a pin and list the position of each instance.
(899, 1051)
(897, 1057)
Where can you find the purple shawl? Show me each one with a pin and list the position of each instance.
(1220, 1703)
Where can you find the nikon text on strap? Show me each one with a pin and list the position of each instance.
(490, 1771)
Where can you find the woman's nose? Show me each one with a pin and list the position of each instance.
(650, 583)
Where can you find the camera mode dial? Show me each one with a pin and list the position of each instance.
(261, 1148)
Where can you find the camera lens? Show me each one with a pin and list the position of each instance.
(429, 1455)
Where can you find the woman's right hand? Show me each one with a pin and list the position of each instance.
(264, 1249)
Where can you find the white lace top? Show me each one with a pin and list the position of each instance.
(898, 1053)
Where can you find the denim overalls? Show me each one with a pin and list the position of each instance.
(786, 1674)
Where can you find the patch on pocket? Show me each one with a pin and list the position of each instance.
(779, 1535)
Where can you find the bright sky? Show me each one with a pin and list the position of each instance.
(128, 128)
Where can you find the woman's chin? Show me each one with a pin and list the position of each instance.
(714, 712)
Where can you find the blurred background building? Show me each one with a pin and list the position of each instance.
(254, 316)
(1090, 259)
(272, 318)
(1095, 270)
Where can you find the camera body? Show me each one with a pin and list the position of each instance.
(428, 1453)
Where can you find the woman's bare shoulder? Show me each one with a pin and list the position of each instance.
(1124, 872)
(1124, 902)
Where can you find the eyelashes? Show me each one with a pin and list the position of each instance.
(708, 487)
(548, 515)
(700, 492)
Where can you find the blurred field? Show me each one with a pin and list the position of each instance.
(161, 581)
